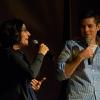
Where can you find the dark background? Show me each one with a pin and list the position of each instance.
(52, 22)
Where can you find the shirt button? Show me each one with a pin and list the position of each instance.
(93, 70)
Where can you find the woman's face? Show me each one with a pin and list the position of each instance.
(25, 34)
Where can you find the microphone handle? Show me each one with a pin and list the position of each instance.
(90, 60)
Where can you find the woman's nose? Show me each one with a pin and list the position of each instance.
(29, 34)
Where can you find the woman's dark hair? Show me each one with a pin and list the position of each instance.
(10, 32)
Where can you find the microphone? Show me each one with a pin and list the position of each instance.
(49, 53)
(90, 60)
(35, 42)
(88, 41)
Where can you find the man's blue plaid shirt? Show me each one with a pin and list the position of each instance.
(84, 84)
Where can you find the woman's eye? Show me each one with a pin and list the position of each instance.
(24, 30)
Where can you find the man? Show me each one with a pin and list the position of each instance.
(79, 61)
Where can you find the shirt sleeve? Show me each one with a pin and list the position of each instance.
(36, 65)
(30, 70)
(64, 57)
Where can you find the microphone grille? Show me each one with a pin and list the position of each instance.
(35, 41)
(88, 40)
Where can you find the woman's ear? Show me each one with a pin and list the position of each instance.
(98, 27)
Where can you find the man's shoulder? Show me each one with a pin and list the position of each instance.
(72, 41)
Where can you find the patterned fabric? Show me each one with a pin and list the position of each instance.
(84, 84)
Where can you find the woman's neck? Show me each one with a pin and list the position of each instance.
(16, 47)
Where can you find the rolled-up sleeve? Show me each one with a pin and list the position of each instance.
(63, 58)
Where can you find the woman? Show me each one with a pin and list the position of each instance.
(16, 72)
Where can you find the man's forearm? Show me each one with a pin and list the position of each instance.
(72, 66)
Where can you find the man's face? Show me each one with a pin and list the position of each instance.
(89, 28)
